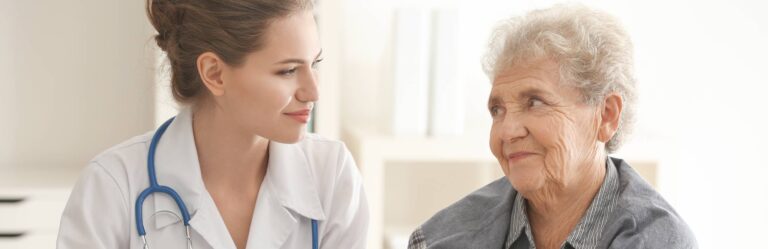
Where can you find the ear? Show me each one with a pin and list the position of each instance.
(610, 116)
(210, 67)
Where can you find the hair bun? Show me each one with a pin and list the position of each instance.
(166, 17)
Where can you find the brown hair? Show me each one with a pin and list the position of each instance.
(229, 28)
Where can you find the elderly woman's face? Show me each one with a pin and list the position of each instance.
(542, 132)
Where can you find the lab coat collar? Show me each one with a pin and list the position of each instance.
(293, 181)
(287, 196)
(289, 188)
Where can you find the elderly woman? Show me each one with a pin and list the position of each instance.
(561, 101)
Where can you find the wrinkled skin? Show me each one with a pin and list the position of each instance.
(550, 144)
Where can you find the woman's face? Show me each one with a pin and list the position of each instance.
(273, 92)
(542, 134)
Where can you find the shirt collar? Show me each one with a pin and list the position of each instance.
(519, 224)
(587, 232)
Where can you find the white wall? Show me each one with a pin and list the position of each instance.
(75, 78)
(7, 89)
(701, 70)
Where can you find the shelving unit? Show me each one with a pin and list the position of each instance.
(380, 156)
(31, 203)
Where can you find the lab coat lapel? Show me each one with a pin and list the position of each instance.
(208, 224)
(288, 195)
(272, 223)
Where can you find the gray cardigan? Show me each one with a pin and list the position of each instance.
(641, 219)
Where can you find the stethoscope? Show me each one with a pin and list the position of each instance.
(154, 187)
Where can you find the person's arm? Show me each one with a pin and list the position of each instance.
(96, 215)
(348, 217)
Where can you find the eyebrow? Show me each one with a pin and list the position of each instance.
(527, 93)
(493, 100)
(299, 61)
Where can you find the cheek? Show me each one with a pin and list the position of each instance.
(495, 143)
(267, 95)
(555, 134)
(256, 102)
(495, 140)
(549, 131)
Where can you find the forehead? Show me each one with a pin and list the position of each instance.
(535, 78)
(541, 75)
(292, 36)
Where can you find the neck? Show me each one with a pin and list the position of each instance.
(556, 210)
(229, 160)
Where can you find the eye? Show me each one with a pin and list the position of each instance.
(535, 102)
(288, 72)
(316, 63)
(495, 110)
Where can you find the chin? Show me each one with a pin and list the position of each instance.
(524, 182)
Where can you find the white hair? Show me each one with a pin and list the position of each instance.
(593, 51)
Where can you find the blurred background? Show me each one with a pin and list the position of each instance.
(402, 85)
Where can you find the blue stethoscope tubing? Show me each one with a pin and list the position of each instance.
(155, 187)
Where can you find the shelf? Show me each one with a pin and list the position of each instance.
(21, 181)
(32, 200)
(373, 152)
(421, 149)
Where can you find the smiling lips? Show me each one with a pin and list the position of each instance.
(517, 156)
(302, 115)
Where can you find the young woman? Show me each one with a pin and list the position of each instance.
(234, 168)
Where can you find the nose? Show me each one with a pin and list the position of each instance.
(307, 91)
(513, 128)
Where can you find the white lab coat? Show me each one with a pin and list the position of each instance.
(315, 178)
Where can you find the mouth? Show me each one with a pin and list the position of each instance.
(302, 116)
(517, 156)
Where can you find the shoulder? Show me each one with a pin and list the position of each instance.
(478, 219)
(102, 189)
(119, 162)
(493, 195)
(643, 216)
(107, 175)
(325, 154)
(125, 154)
(330, 163)
(473, 207)
(317, 145)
